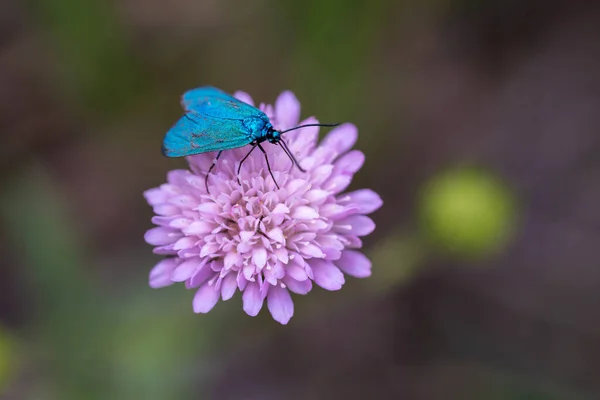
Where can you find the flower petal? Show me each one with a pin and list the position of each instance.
(252, 299)
(298, 287)
(259, 257)
(303, 141)
(327, 275)
(349, 163)
(155, 196)
(280, 209)
(341, 139)
(186, 270)
(305, 212)
(198, 227)
(359, 225)
(209, 208)
(243, 96)
(338, 183)
(232, 258)
(184, 243)
(205, 299)
(165, 209)
(280, 304)
(160, 275)
(228, 286)
(366, 200)
(312, 251)
(316, 195)
(287, 110)
(296, 272)
(160, 236)
(200, 276)
(277, 235)
(354, 263)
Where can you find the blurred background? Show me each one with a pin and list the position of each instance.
(480, 120)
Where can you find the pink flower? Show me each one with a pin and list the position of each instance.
(255, 238)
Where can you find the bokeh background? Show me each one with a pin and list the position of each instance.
(480, 120)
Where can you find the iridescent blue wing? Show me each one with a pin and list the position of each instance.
(197, 133)
(213, 121)
(211, 101)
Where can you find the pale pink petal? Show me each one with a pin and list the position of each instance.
(338, 183)
(241, 281)
(209, 208)
(186, 270)
(205, 299)
(280, 304)
(198, 227)
(176, 178)
(163, 221)
(327, 275)
(246, 235)
(287, 110)
(277, 235)
(259, 257)
(160, 236)
(184, 201)
(268, 109)
(280, 209)
(321, 174)
(164, 250)
(228, 286)
(155, 196)
(331, 253)
(297, 272)
(200, 276)
(184, 243)
(243, 96)
(298, 287)
(270, 275)
(359, 225)
(355, 264)
(209, 249)
(179, 223)
(305, 212)
(282, 255)
(252, 299)
(166, 209)
(341, 138)
(312, 251)
(366, 200)
(350, 162)
(160, 275)
(199, 164)
(317, 195)
(302, 141)
(231, 259)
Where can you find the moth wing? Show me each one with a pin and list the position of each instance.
(198, 133)
(214, 102)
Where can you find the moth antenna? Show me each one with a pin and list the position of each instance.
(304, 126)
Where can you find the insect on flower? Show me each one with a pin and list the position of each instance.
(251, 234)
(216, 121)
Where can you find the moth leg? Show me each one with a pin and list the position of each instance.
(242, 161)
(210, 169)
(268, 165)
(288, 152)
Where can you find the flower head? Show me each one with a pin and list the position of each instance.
(253, 237)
